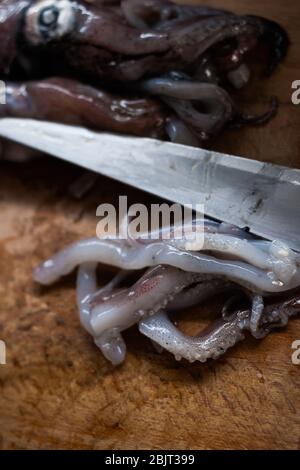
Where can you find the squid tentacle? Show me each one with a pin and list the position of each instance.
(150, 293)
(209, 344)
(70, 102)
(198, 293)
(182, 276)
(179, 132)
(205, 107)
(104, 314)
(110, 343)
(130, 42)
(118, 254)
(221, 335)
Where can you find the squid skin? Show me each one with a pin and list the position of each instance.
(211, 343)
(102, 28)
(129, 41)
(150, 293)
(218, 337)
(186, 96)
(144, 42)
(179, 133)
(105, 313)
(156, 13)
(168, 15)
(180, 272)
(198, 293)
(184, 47)
(70, 102)
(119, 253)
(110, 342)
(104, 42)
(12, 14)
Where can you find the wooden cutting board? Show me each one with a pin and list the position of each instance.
(57, 391)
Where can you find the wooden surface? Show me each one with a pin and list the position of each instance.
(57, 391)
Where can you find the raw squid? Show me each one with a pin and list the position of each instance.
(221, 335)
(96, 64)
(83, 105)
(172, 36)
(180, 272)
(152, 68)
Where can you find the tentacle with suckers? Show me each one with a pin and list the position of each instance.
(218, 337)
(106, 313)
(182, 271)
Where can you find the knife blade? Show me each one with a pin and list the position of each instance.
(261, 196)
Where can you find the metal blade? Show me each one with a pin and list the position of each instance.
(261, 196)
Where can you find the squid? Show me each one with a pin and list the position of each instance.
(216, 339)
(141, 67)
(260, 278)
(147, 36)
(84, 105)
(152, 68)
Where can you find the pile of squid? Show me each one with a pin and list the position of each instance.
(148, 68)
(259, 278)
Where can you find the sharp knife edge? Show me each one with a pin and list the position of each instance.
(262, 196)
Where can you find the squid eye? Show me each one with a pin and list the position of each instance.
(49, 20)
(48, 17)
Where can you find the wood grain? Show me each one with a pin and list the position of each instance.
(57, 391)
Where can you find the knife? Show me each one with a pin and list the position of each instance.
(236, 190)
